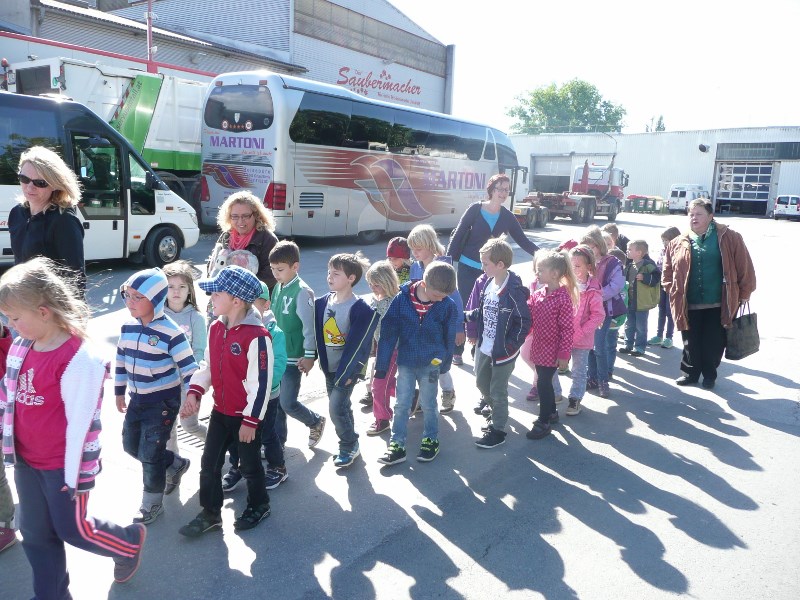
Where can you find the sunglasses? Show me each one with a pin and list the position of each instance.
(25, 180)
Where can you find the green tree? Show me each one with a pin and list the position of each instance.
(658, 126)
(575, 107)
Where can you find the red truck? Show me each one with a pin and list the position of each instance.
(596, 190)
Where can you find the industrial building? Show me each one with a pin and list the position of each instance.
(744, 169)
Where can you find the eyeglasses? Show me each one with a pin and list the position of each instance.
(246, 217)
(25, 180)
(127, 296)
(502, 189)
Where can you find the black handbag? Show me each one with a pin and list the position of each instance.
(742, 335)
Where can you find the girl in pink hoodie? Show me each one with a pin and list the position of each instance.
(588, 318)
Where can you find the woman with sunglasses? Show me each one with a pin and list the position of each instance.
(45, 222)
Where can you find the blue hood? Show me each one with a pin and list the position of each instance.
(153, 285)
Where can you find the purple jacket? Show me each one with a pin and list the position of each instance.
(612, 281)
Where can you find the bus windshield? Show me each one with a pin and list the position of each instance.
(239, 108)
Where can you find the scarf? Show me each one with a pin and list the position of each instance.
(240, 242)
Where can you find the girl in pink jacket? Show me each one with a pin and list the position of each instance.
(588, 318)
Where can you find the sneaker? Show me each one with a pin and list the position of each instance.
(554, 418)
(574, 407)
(8, 537)
(457, 360)
(315, 432)
(428, 450)
(345, 459)
(395, 454)
(533, 395)
(486, 411)
(448, 401)
(603, 390)
(591, 384)
(565, 372)
(251, 517)
(174, 480)
(538, 431)
(559, 398)
(378, 427)
(656, 340)
(202, 523)
(491, 438)
(636, 353)
(145, 517)
(624, 350)
(478, 410)
(367, 399)
(125, 568)
(231, 479)
(667, 343)
(274, 477)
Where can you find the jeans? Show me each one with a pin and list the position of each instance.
(580, 365)
(665, 315)
(598, 356)
(383, 390)
(492, 382)
(547, 397)
(408, 378)
(703, 344)
(341, 411)
(49, 517)
(636, 330)
(612, 340)
(223, 430)
(145, 433)
(290, 405)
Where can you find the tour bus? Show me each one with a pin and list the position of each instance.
(329, 162)
(126, 210)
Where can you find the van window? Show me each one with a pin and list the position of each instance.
(97, 162)
(21, 128)
(143, 199)
(793, 201)
(783, 200)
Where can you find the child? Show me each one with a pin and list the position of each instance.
(612, 281)
(426, 248)
(294, 313)
(588, 318)
(238, 365)
(421, 323)
(399, 254)
(503, 324)
(644, 283)
(664, 312)
(276, 472)
(345, 327)
(552, 309)
(154, 361)
(50, 414)
(7, 535)
(617, 322)
(382, 280)
(182, 308)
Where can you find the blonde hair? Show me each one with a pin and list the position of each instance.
(40, 282)
(586, 254)
(51, 168)
(264, 218)
(639, 245)
(184, 270)
(424, 236)
(558, 262)
(594, 237)
(498, 250)
(383, 275)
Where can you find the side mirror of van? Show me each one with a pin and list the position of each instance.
(151, 181)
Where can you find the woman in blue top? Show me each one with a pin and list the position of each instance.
(481, 221)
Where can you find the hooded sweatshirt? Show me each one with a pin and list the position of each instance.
(153, 360)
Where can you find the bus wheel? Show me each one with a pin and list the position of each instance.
(369, 237)
(162, 246)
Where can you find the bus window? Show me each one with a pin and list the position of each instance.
(444, 139)
(489, 153)
(97, 162)
(506, 155)
(321, 120)
(239, 108)
(143, 199)
(370, 127)
(472, 140)
(410, 132)
(40, 129)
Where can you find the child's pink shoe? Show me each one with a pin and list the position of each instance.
(533, 395)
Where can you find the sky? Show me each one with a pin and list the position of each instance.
(702, 64)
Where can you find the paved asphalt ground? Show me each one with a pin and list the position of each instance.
(656, 492)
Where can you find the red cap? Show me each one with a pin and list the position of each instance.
(398, 248)
(568, 245)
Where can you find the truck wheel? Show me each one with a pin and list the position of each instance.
(531, 220)
(579, 216)
(162, 247)
(369, 237)
(544, 217)
(612, 212)
(590, 211)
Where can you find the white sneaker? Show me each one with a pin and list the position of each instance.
(448, 401)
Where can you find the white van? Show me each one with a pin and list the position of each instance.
(680, 194)
(787, 207)
(126, 210)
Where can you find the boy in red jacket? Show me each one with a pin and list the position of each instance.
(238, 365)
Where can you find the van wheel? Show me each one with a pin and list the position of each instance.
(162, 247)
(369, 237)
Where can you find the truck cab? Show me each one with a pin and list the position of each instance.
(126, 210)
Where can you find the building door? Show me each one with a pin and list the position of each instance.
(744, 187)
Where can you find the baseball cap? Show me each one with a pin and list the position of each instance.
(398, 248)
(238, 282)
(264, 292)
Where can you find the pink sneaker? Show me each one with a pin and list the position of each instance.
(533, 395)
(8, 537)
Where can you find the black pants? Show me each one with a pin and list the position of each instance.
(703, 344)
(273, 450)
(547, 396)
(223, 430)
(466, 277)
